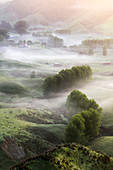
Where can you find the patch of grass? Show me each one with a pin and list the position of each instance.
(68, 156)
(12, 88)
(51, 133)
(107, 119)
(5, 161)
(11, 64)
(41, 116)
(34, 138)
(104, 144)
(10, 125)
(35, 86)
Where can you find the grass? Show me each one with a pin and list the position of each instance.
(71, 156)
(51, 133)
(24, 119)
(7, 128)
(10, 64)
(5, 161)
(107, 119)
(38, 130)
(24, 125)
(104, 144)
(12, 88)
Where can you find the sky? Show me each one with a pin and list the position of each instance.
(98, 4)
(4, 1)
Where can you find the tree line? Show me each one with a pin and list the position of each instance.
(84, 125)
(98, 42)
(65, 78)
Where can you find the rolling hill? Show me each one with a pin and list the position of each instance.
(78, 16)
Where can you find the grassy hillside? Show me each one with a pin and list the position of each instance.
(69, 156)
(50, 9)
(86, 21)
(34, 130)
(36, 19)
(104, 144)
(106, 27)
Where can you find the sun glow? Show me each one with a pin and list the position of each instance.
(94, 4)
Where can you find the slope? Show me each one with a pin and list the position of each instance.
(106, 27)
(87, 20)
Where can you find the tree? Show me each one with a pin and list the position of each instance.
(58, 82)
(92, 104)
(1, 38)
(4, 33)
(92, 122)
(21, 27)
(5, 25)
(76, 102)
(48, 86)
(33, 74)
(104, 50)
(90, 52)
(74, 131)
(83, 126)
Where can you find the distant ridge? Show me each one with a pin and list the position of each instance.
(77, 15)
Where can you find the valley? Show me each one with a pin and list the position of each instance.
(55, 41)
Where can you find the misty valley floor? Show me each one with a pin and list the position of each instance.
(40, 123)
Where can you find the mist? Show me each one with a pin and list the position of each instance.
(99, 88)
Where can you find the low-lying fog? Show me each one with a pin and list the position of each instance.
(99, 88)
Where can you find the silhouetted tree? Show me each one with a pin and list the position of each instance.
(21, 27)
(5, 25)
(104, 51)
(90, 52)
(4, 33)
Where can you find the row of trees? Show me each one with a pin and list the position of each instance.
(104, 51)
(86, 124)
(5, 25)
(20, 27)
(65, 79)
(98, 42)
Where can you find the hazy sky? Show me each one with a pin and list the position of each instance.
(3, 1)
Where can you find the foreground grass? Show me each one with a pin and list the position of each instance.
(34, 130)
(5, 161)
(69, 156)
